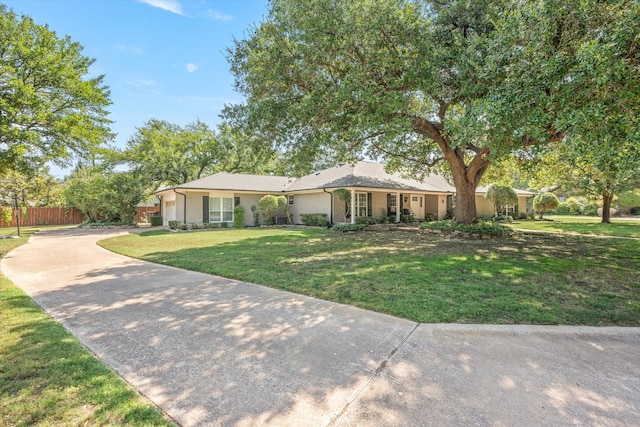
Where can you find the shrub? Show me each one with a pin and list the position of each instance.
(501, 196)
(571, 206)
(481, 228)
(634, 210)
(270, 205)
(407, 218)
(156, 220)
(315, 220)
(224, 225)
(238, 217)
(6, 214)
(349, 227)
(173, 225)
(590, 209)
(545, 202)
(523, 215)
(367, 220)
(502, 218)
(382, 219)
(183, 227)
(210, 225)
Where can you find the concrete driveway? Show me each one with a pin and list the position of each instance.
(213, 351)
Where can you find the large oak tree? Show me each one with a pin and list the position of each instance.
(416, 83)
(50, 104)
(396, 80)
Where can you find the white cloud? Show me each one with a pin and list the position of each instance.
(217, 16)
(172, 6)
(191, 67)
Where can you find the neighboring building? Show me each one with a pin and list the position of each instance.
(374, 193)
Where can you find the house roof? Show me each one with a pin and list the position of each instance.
(361, 174)
(238, 182)
(369, 175)
(483, 190)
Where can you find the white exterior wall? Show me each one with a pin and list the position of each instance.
(484, 207)
(310, 203)
(168, 208)
(194, 207)
(378, 204)
(442, 206)
(431, 205)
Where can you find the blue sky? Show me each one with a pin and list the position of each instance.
(162, 59)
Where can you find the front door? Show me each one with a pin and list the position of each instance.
(417, 206)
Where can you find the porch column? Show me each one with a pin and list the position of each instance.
(353, 206)
(398, 203)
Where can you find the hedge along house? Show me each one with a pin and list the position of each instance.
(372, 192)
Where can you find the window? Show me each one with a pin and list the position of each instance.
(361, 204)
(220, 209)
(290, 198)
(393, 201)
(511, 209)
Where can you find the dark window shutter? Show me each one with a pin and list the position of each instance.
(369, 203)
(236, 201)
(205, 208)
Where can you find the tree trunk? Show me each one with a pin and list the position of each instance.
(606, 208)
(465, 177)
(465, 210)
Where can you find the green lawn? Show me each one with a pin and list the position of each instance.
(582, 224)
(48, 378)
(534, 279)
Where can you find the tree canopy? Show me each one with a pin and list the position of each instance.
(501, 196)
(166, 153)
(419, 83)
(50, 105)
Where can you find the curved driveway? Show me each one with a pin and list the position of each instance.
(213, 351)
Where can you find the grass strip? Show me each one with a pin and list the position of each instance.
(47, 377)
(526, 279)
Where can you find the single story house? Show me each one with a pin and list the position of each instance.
(374, 193)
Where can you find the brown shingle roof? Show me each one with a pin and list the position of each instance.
(238, 182)
(368, 175)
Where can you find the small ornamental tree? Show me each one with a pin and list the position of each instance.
(268, 207)
(501, 196)
(544, 202)
(238, 217)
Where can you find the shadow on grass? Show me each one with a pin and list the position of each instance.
(529, 279)
(49, 377)
(215, 351)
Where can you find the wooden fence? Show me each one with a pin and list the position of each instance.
(61, 216)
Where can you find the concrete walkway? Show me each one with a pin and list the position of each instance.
(212, 351)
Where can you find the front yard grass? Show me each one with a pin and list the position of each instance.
(582, 225)
(48, 378)
(529, 279)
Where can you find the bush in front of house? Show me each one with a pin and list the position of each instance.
(545, 202)
(238, 217)
(349, 227)
(173, 225)
(156, 220)
(407, 218)
(315, 220)
(483, 228)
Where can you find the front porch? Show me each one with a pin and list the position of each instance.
(391, 204)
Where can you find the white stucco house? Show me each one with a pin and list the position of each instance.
(374, 193)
